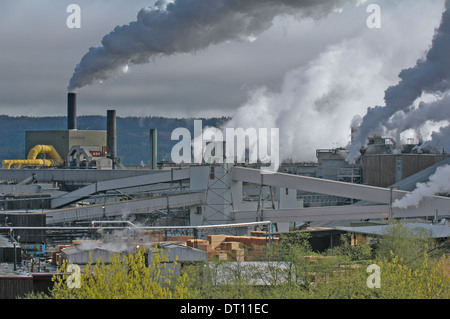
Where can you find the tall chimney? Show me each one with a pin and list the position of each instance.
(153, 148)
(111, 137)
(71, 111)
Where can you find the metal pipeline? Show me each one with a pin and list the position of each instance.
(32, 161)
(44, 149)
(36, 162)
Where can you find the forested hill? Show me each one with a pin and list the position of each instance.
(132, 133)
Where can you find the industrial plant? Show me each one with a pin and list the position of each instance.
(71, 199)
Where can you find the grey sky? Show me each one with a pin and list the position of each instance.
(38, 54)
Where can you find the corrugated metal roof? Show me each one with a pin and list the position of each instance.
(82, 256)
(182, 253)
(435, 231)
(7, 270)
(6, 243)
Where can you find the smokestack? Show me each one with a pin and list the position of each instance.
(153, 148)
(71, 111)
(111, 136)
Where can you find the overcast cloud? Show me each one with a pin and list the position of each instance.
(336, 57)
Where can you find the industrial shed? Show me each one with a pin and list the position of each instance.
(180, 253)
(14, 285)
(80, 256)
(177, 253)
(8, 251)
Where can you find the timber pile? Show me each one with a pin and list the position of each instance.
(181, 240)
(154, 235)
(238, 248)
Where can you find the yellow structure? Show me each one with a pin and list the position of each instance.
(32, 161)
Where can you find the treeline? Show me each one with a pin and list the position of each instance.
(132, 133)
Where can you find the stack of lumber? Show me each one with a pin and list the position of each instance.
(182, 240)
(226, 247)
(249, 241)
(154, 235)
(258, 233)
(78, 242)
(199, 244)
(216, 240)
(232, 245)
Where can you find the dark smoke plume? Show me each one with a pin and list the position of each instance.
(185, 26)
(430, 75)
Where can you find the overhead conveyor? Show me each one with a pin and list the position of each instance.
(121, 183)
(409, 183)
(381, 199)
(116, 209)
(314, 185)
(311, 214)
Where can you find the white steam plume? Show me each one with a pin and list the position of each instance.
(430, 75)
(439, 182)
(316, 102)
(312, 109)
(187, 26)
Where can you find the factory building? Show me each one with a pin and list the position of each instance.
(71, 141)
(71, 148)
(385, 170)
(73, 187)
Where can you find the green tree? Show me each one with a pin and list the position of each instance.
(408, 244)
(222, 280)
(341, 274)
(398, 280)
(352, 252)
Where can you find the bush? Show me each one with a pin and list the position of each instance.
(127, 278)
(400, 241)
(352, 252)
